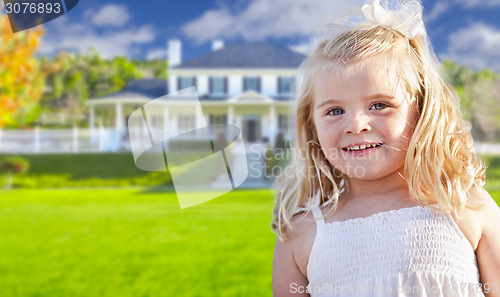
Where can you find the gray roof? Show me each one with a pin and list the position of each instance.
(224, 98)
(150, 88)
(246, 55)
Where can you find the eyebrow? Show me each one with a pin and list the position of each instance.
(371, 97)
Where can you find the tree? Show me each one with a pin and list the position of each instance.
(75, 79)
(484, 106)
(21, 80)
(479, 94)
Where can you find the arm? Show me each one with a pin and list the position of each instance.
(488, 249)
(287, 278)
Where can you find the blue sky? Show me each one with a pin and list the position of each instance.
(467, 31)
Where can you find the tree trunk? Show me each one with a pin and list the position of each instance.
(8, 181)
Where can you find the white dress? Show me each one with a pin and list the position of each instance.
(412, 251)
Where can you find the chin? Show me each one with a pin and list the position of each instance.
(367, 172)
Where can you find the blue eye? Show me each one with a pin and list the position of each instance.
(379, 106)
(335, 111)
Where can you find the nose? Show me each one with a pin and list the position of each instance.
(356, 123)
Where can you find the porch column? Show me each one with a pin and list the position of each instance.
(273, 125)
(92, 121)
(230, 115)
(199, 117)
(37, 139)
(119, 117)
(75, 139)
(166, 123)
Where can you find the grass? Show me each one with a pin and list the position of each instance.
(82, 166)
(85, 170)
(135, 242)
(132, 242)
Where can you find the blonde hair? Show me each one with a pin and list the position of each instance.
(441, 164)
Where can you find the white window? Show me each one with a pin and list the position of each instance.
(285, 85)
(217, 85)
(186, 82)
(251, 84)
(218, 119)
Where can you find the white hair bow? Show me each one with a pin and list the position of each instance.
(410, 24)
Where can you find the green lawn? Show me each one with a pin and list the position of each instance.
(133, 242)
(130, 242)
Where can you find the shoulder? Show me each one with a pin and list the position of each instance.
(485, 210)
(476, 218)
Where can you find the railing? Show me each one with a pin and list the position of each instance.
(97, 140)
(488, 148)
(74, 140)
(39, 141)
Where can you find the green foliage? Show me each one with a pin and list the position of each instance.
(32, 181)
(10, 166)
(14, 165)
(75, 79)
(493, 171)
(152, 68)
(57, 83)
(479, 94)
(458, 75)
(21, 77)
(485, 74)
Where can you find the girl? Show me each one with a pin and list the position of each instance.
(387, 196)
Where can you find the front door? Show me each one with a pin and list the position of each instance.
(251, 128)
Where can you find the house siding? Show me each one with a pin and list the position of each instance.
(235, 85)
(203, 84)
(269, 85)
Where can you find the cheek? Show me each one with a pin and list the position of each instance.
(327, 134)
(400, 128)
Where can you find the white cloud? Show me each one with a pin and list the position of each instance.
(61, 35)
(478, 3)
(437, 10)
(443, 6)
(476, 46)
(156, 53)
(263, 19)
(114, 15)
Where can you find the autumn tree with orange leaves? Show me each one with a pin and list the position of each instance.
(21, 80)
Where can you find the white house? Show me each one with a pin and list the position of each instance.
(245, 84)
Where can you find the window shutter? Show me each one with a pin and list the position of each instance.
(244, 84)
(210, 85)
(194, 81)
(280, 88)
(225, 85)
(179, 82)
(258, 84)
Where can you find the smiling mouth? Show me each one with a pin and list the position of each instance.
(362, 147)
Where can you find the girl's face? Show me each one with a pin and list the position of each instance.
(364, 121)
